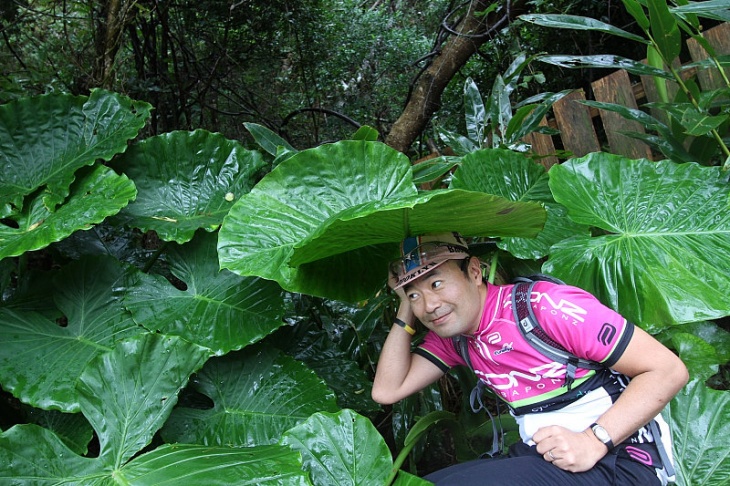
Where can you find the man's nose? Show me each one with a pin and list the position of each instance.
(431, 301)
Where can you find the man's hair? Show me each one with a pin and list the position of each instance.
(464, 265)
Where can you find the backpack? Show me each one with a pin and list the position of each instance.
(535, 335)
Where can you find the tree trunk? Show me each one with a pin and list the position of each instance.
(115, 15)
(425, 98)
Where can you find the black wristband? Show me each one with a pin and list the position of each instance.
(405, 326)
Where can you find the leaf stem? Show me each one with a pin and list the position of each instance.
(155, 257)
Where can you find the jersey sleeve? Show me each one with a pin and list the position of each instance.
(580, 322)
(439, 351)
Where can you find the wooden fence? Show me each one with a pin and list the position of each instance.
(580, 125)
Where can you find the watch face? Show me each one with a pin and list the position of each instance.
(601, 433)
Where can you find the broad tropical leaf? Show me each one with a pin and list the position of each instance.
(186, 181)
(97, 193)
(127, 394)
(517, 178)
(703, 346)
(575, 22)
(72, 428)
(268, 140)
(45, 139)
(341, 448)
(340, 210)
(257, 394)
(608, 61)
(41, 359)
(664, 256)
(700, 419)
(218, 309)
(34, 455)
(194, 465)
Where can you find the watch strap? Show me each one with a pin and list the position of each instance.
(602, 435)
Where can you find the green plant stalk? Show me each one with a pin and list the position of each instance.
(402, 456)
(493, 268)
(155, 257)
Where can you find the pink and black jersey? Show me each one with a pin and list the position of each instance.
(510, 366)
(531, 383)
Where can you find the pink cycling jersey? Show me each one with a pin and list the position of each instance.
(532, 383)
(509, 365)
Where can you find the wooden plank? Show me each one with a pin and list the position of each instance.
(575, 123)
(651, 93)
(542, 145)
(719, 38)
(616, 88)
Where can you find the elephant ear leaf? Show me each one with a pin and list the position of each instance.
(517, 178)
(253, 396)
(347, 220)
(186, 181)
(216, 309)
(662, 254)
(127, 394)
(96, 193)
(45, 139)
(42, 358)
(700, 419)
(341, 448)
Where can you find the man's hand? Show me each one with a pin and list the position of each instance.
(571, 451)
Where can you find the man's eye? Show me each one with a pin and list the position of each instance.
(413, 296)
(436, 284)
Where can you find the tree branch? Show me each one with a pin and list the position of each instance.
(472, 31)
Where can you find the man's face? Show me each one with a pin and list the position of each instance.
(446, 301)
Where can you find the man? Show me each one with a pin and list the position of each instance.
(596, 433)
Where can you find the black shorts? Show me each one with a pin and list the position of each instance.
(524, 466)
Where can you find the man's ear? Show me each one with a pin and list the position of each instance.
(475, 269)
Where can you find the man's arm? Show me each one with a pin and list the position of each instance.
(656, 374)
(399, 372)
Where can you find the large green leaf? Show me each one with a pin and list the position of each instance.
(341, 448)
(700, 428)
(257, 394)
(703, 346)
(711, 9)
(45, 139)
(517, 178)
(194, 465)
(575, 22)
(127, 394)
(218, 309)
(475, 114)
(665, 253)
(186, 181)
(340, 210)
(606, 61)
(335, 343)
(41, 359)
(72, 428)
(272, 143)
(97, 193)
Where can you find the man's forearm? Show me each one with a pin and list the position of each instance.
(393, 365)
(644, 398)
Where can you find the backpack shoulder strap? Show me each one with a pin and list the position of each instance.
(462, 347)
(475, 399)
(535, 335)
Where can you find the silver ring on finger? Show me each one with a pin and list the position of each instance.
(550, 453)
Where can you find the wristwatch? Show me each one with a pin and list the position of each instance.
(602, 435)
